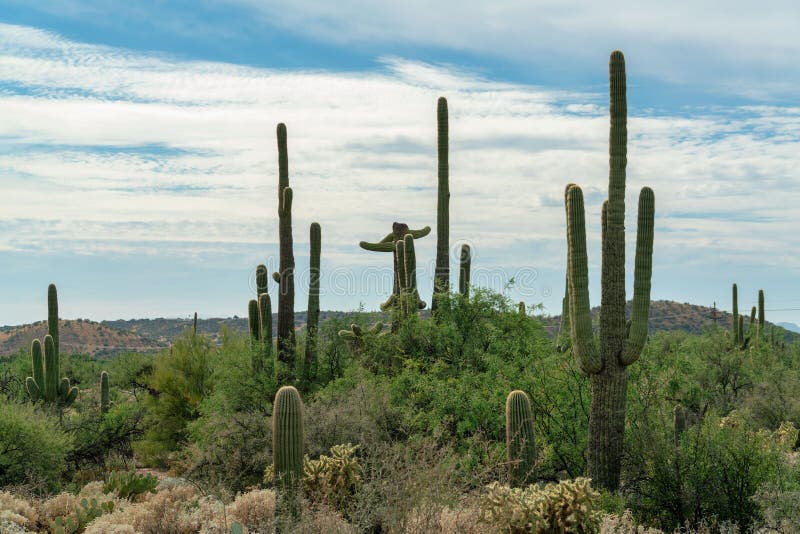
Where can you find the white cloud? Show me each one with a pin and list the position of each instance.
(106, 150)
(731, 46)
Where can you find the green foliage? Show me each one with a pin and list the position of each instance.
(104, 401)
(33, 449)
(127, 484)
(89, 511)
(181, 379)
(568, 506)
(714, 471)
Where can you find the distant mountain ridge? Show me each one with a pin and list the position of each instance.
(107, 338)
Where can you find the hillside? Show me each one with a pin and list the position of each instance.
(668, 315)
(83, 336)
(137, 335)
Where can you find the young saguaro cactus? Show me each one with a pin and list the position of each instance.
(312, 320)
(441, 283)
(45, 383)
(619, 346)
(465, 264)
(104, 402)
(287, 455)
(520, 442)
(285, 276)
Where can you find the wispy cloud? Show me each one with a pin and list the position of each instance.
(109, 151)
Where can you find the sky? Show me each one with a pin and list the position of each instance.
(138, 159)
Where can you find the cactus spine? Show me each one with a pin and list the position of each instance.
(104, 403)
(735, 312)
(619, 346)
(287, 455)
(520, 443)
(285, 276)
(45, 384)
(465, 263)
(441, 283)
(312, 320)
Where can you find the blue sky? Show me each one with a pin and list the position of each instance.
(138, 163)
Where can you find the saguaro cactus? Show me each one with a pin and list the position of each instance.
(678, 423)
(45, 384)
(465, 264)
(104, 402)
(441, 283)
(619, 346)
(389, 244)
(735, 313)
(285, 276)
(253, 323)
(751, 326)
(520, 443)
(287, 455)
(761, 319)
(312, 320)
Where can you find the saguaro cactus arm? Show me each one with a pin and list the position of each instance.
(387, 243)
(584, 346)
(641, 282)
(253, 320)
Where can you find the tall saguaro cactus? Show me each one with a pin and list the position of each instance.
(104, 402)
(761, 318)
(285, 276)
(520, 443)
(619, 346)
(287, 455)
(312, 320)
(465, 264)
(441, 282)
(735, 313)
(45, 383)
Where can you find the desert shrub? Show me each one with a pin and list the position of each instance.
(624, 524)
(712, 473)
(83, 514)
(178, 510)
(98, 436)
(127, 484)
(566, 506)
(255, 510)
(33, 449)
(17, 511)
(181, 379)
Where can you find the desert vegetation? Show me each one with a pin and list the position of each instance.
(472, 418)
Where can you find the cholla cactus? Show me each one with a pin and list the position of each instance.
(568, 506)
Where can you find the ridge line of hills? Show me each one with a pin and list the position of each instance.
(106, 338)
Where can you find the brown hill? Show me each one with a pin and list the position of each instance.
(79, 336)
(668, 315)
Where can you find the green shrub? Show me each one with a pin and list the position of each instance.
(180, 381)
(713, 472)
(33, 449)
(568, 506)
(127, 484)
